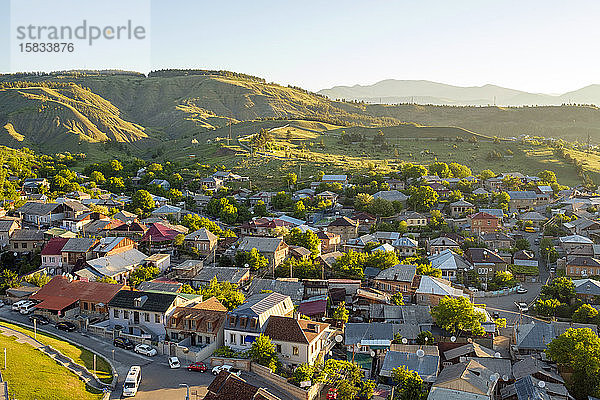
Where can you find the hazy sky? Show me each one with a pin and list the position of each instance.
(540, 46)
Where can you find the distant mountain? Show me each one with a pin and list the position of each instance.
(393, 91)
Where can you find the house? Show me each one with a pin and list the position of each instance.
(327, 260)
(520, 200)
(497, 240)
(26, 240)
(466, 380)
(164, 184)
(160, 237)
(227, 386)
(395, 184)
(405, 246)
(365, 220)
(126, 216)
(203, 240)
(437, 245)
(424, 360)
(245, 323)
(143, 313)
(207, 273)
(468, 350)
(64, 298)
(74, 209)
(274, 249)
(108, 246)
(76, 249)
(362, 338)
(41, 213)
(577, 245)
(117, 266)
(525, 258)
(159, 260)
(533, 338)
(329, 241)
(341, 179)
(413, 219)
(431, 290)
(285, 286)
(134, 230)
(314, 307)
(587, 289)
(535, 217)
(450, 263)
(486, 262)
(212, 183)
(442, 190)
(297, 341)
(166, 211)
(328, 195)
(201, 323)
(52, 253)
(482, 222)
(7, 227)
(345, 227)
(36, 185)
(398, 278)
(160, 285)
(582, 266)
(460, 208)
(391, 195)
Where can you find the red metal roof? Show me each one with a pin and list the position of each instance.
(54, 246)
(59, 286)
(159, 233)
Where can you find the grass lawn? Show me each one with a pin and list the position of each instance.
(33, 375)
(77, 354)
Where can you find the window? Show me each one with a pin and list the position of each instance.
(125, 314)
(279, 348)
(295, 350)
(207, 339)
(232, 320)
(116, 313)
(232, 338)
(147, 317)
(209, 326)
(85, 305)
(16, 245)
(157, 318)
(24, 245)
(200, 339)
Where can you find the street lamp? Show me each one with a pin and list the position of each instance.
(187, 396)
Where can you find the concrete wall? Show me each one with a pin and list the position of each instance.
(294, 391)
(239, 363)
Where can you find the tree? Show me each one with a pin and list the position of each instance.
(98, 177)
(413, 171)
(397, 299)
(260, 209)
(299, 210)
(143, 200)
(546, 307)
(425, 337)
(309, 240)
(9, 279)
(281, 201)
(291, 179)
(303, 373)
(427, 269)
(458, 314)
(381, 259)
(143, 274)
(410, 384)
(350, 265)
(226, 292)
(522, 244)
(263, 352)
(341, 313)
(115, 183)
(579, 350)
(459, 171)
(423, 198)
(347, 391)
(440, 169)
(561, 289)
(253, 258)
(585, 314)
(179, 240)
(362, 201)
(106, 279)
(115, 166)
(486, 174)
(547, 177)
(38, 279)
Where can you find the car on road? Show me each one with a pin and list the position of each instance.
(536, 241)
(228, 368)
(521, 290)
(66, 326)
(523, 307)
(40, 319)
(174, 362)
(132, 381)
(15, 306)
(496, 315)
(197, 366)
(1, 304)
(145, 350)
(27, 308)
(123, 343)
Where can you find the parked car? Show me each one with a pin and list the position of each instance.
(66, 326)
(27, 308)
(174, 362)
(40, 319)
(123, 343)
(332, 394)
(1, 304)
(523, 307)
(197, 366)
(227, 368)
(145, 350)
(521, 290)
(15, 306)
(496, 315)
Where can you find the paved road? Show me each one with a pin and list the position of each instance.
(159, 382)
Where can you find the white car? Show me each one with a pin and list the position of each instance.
(521, 290)
(227, 368)
(27, 307)
(523, 307)
(145, 350)
(174, 362)
(15, 306)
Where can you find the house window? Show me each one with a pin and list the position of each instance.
(16, 245)
(200, 339)
(147, 317)
(125, 314)
(207, 339)
(157, 318)
(116, 313)
(175, 336)
(232, 338)
(295, 350)
(85, 305)
(279, 348)
(232, 320)
(209, 326)
(24, 245)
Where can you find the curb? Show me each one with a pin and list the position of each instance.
(104, 385)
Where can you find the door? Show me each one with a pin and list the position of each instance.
(136, 318)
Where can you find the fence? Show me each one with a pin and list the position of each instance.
(282, 383)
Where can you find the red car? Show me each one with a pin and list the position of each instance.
(199, 366)
(332, 394)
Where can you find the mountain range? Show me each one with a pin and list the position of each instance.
(392, 91)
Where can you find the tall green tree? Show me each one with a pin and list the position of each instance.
(226, 292)
(410, 384)
(458, 314)
(263, 352)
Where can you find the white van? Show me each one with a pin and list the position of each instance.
(132, 381)
(16, 305)
(27, 307)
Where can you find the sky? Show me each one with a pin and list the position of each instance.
(538, 46)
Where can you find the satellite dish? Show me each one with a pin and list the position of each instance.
(494, 377)
(323, 319)
(420, 353)
(505, 378)
(542, 384)
(339, 338)
(404, 340)
(453, 339)
(497, 355)
(372, 353)
(353, 308)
